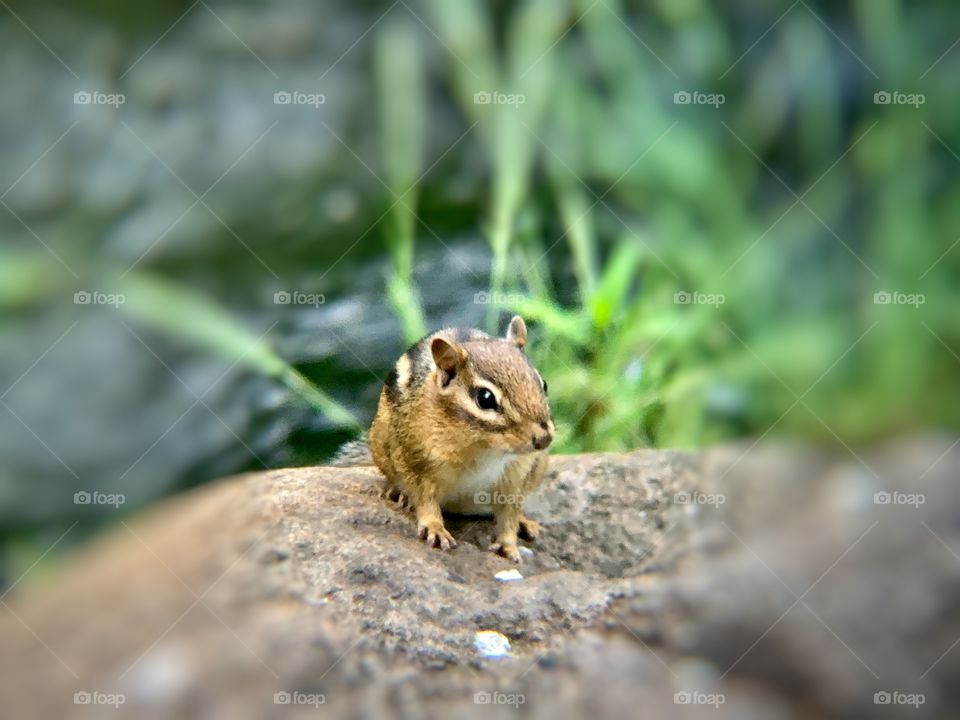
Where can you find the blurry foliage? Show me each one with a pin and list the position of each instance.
(714, 202)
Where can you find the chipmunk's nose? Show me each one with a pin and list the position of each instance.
(542, 440)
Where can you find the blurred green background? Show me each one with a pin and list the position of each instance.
(223, 221)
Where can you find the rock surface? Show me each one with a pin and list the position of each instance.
(751, 582)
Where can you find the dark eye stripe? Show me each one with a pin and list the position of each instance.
(393, 391)
(471, 419)
(543, 383)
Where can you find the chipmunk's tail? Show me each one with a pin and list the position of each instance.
(353, 453)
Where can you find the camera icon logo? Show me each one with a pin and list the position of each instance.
(281, 297)
(482, 497)
(481, 698)
(81, 298)
(881, 698)
(82, 697)
(81, 498)
(482, 98)
(282, 97)
(681, 298)
(882, 298)
(682, 698)
(82, 97)
(281, 698)
(881, 97)
(682, 498)
(481, 298)
(681, 97)
(882, 498)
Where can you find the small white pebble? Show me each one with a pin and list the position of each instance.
(492, 644)
(508, 575)
(525, 551)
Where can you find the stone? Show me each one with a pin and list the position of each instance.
(777, 581)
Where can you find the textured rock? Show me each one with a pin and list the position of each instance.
(768, 582)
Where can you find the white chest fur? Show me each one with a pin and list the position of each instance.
(472, 494)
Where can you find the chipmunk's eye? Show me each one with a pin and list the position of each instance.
(486, 400)
(544, 382)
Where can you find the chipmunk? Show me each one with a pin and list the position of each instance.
(463, 424)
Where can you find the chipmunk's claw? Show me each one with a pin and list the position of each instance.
(529, 529)
(508, 550)
(395, 495)
(436, 535)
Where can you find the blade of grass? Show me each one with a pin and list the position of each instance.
(618, 275)
(507, 102)
(184, 315)
(567, 138)
(399, 73)
(528, 79)
(26, 277)
(566, 324)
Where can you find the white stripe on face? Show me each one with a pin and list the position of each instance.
(403, 367)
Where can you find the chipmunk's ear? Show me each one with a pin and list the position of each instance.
(448, 357)
(517, 332)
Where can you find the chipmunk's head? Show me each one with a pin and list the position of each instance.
(492, 391)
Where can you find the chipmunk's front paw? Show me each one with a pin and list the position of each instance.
(506, 549)
(529, 529)
(436, 535)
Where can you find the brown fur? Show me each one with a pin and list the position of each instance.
(431, 439)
